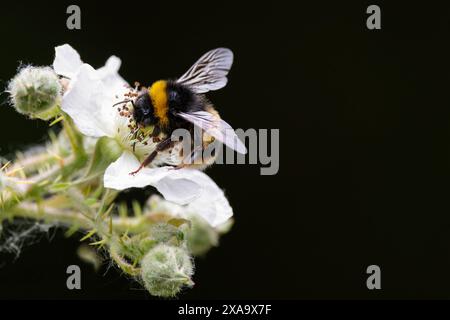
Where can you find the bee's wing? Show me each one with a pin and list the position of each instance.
(209, 72)
(216, 127)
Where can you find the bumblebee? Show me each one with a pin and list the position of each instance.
(171, 104)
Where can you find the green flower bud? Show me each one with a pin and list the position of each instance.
(201, 237)
(36, 92)
(106, 151)
(166, 269)
(165, 232)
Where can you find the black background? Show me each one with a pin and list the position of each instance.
(364, 129)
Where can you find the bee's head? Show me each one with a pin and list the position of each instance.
(143, 112)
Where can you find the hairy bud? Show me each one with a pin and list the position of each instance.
(166, 269)
(165, 232)
(201, 237)
(36, 92)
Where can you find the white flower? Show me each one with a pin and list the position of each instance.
(67, 63)
(89, 100)
(158, 205)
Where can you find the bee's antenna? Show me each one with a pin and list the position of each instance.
(124, 101)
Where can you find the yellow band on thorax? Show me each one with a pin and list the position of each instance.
(158, 95)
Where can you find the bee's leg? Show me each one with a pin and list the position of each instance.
(135, 133)
(159, 147)
(155, 133)
(193, 157)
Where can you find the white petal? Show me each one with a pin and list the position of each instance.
(67, 61)
(186, 186)
(174, 185)
(112, 65)
(211, 205)
(88, 103)
(109, 74)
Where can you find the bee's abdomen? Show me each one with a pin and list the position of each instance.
(181, 98)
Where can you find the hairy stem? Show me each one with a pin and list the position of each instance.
(71, 217)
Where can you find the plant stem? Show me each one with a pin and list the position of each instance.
(71, 217)
(76, 140)
(123, 264)
(67, 217)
